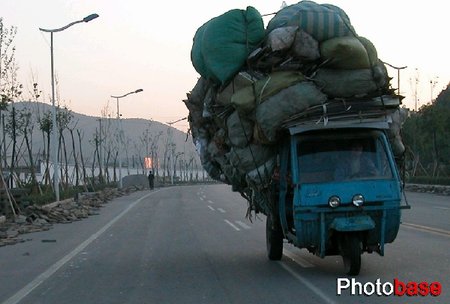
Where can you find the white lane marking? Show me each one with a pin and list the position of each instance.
(211, 202)
(18, 296)
(243, 225)
(210, 207)
(297, 259)
(232, 225)
(442, 208)
(221, 210)
(201, 198)
(308, 284)
(427, 229)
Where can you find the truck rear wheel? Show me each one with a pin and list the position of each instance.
(274, 239)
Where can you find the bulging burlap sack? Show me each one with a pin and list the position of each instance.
(292, 100)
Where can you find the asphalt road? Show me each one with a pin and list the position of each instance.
(194, 245)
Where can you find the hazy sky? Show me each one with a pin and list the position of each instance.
(146, 44)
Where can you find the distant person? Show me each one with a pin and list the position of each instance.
(151, 180)
(356, 164)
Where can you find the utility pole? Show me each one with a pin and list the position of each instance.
(100, 152)
(55, 146)
(120, 130)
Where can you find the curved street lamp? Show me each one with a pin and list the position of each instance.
(121, 131)
(55, 129)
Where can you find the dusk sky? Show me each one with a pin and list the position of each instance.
(146, 44)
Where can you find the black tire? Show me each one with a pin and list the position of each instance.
(351, 254)
(274, 239)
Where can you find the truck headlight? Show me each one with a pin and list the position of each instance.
(358, 200)
(334, 201)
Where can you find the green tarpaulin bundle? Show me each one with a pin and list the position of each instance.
(222, 45)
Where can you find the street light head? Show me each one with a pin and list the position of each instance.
(90, 17)
(138, 90)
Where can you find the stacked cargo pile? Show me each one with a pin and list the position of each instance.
(254, 79)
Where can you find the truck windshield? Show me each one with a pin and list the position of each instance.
(339, 158)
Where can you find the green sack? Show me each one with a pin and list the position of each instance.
(251, 157)
(271, 114)
(351, 83)
(239, 130)
(370, 49)
(196, 53)
(240, 81)
(222, 45)
(246, 99)
(348, 53)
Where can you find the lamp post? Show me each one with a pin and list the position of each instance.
(120, 131)
(54, 131)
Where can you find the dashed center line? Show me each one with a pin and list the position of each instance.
(221, 210)
(442, 208)
(243, 225)
(232, 225)
(427, 229)
(211, 202)
(210, 207)
(201, 198)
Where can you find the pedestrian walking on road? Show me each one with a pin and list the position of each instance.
(151, 180)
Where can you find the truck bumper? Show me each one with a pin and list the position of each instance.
(354, 223)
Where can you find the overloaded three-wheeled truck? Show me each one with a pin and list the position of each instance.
(310, 86)
(338, 190)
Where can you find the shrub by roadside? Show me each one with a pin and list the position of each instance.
(427, 180)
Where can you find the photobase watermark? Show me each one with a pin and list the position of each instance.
(396, 288)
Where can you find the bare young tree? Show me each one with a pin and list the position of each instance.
(64, 117)
(10, 88)
(168, 147)
(76, 164)
(154, 148)
(46, 125)
(83, 165)
(8, 72)
(109, 143)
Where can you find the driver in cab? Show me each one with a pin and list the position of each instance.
(355, 164)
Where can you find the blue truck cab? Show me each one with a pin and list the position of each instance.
(340, 191)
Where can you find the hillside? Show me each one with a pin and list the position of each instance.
(139, 134)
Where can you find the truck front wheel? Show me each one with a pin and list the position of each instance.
(351, 253)
(274, 239)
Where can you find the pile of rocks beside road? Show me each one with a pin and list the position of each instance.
(41, 218)
(434, 189)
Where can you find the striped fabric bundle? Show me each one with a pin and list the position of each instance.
(321, 21)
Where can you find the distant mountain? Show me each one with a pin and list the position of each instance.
(139, 134)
